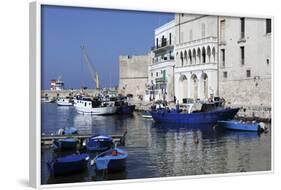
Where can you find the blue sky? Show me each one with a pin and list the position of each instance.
(106, 34)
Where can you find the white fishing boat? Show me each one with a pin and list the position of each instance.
(94, 107)
(45, 100)
(65, 101)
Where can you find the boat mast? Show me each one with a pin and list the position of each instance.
(94, 75)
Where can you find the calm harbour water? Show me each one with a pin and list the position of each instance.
(160, 150)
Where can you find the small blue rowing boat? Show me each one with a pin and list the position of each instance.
(65, 144)
(241, 126)
(113, 160)
(69, 164)
(99, 143)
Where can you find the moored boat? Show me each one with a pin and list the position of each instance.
(113, 160)
(67, 101)
(99, 143)
(66, 144)
(94, 107)
(124, 108)
(69, 164)
(242, 126)
(207, 112)
(67, 131)
(146, 114)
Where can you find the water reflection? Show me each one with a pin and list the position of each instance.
(159, 150)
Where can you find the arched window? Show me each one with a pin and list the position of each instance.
(181, 57)
(214, 54)
(194, 56)
(199, 55)
(194, 88)
(185, 56)
(203, 55)
(209, 53)
(190, 56)
(204, 85)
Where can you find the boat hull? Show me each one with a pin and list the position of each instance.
(96, 111)
(193, 118)
(99, 143)
(65, 145)
(239, 126)
(64, 104)
(69, 165)
(127, 109)
(110, 163)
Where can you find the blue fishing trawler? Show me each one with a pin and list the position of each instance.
(194, 113)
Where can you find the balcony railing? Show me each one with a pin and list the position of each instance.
(163, 46)
(170, 58)
(160, 80)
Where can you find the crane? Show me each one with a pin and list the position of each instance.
(93, 72)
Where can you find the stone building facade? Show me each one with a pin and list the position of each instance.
(133, 74)
(245, 60)
(245, 63)
(161, 69)
(196, 74)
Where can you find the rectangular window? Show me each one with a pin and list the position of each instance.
(224, 74)
(242, 52)
(248, 73)
(203, 30)
(223, 57)
(242, 21)
(152, 74)
(170, 38)
(156, 42)
(222, 30)
(268, 26)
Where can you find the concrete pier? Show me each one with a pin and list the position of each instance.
(52, 94)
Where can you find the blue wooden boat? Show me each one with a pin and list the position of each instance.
(69, 164)
(70, 131)
(113, 160)
(66, 144)
(99, 143)
(240, 126)
(67, 131)
(208, 113)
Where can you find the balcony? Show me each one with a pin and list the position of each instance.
(161, 80)
(165, 59)
(165, 45)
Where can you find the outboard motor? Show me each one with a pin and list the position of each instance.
(263, 127)
(60, 131)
